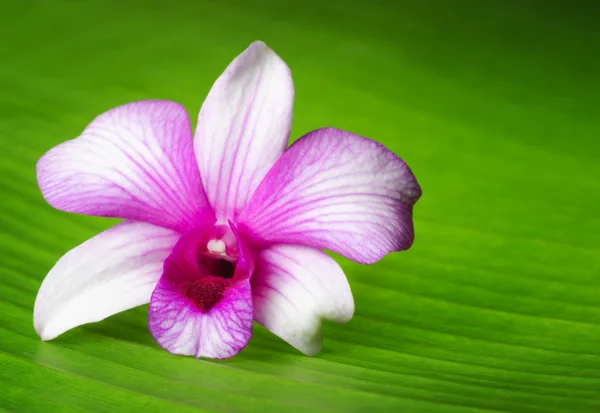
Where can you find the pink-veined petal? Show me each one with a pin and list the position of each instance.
(335, 190)
(293, 288)
(210, 319)
(243, 127)
(112, 272)
(180, 328)
(135, 162)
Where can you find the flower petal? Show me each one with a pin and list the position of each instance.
(293, 288)
(180, 326)
(112, 272)
(339, 191)
(136, 162)
(243, 127)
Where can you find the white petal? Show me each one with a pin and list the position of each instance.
(243, 127)
(112, 272)
(293, 288)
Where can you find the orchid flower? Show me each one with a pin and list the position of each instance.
(226, 228)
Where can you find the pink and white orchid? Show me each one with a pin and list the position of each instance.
(226, 228)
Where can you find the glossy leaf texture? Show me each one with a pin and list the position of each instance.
(494, 105)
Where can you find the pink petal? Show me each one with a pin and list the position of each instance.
(293, 288)
(339, 191)
(198, 313)
(180, 328)
(112, 272)
(243, 127)
(136, 162)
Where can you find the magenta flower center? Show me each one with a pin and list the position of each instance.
(203, 265)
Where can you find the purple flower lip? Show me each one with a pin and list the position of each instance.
(224, 226)
(206, 278)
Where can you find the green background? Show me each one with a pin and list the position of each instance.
(495, 107)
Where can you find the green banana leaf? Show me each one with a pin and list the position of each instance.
(495, 106)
